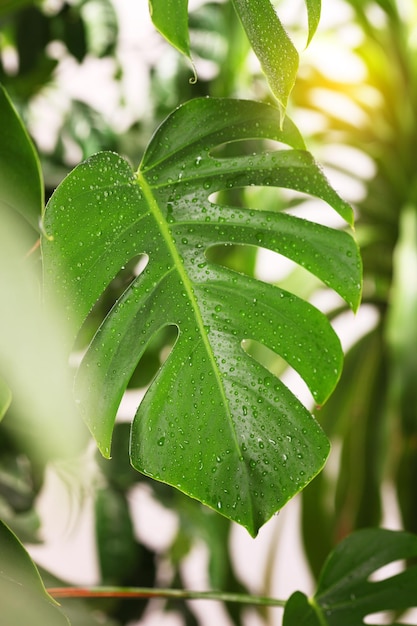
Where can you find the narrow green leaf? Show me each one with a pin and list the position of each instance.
(271, 44)
(313, 11)
(345, 595)
(356, 416)
(118, 551)
(24, 599)
(214, 423)
(21, 184)
(170, 17)
(5, 398)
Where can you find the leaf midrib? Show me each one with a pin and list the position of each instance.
(164, 229)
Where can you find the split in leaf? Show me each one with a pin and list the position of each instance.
(346, 594)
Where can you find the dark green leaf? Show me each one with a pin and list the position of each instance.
(355, 416)
(33, 33)
(345, 595)
(214, 423)
(21, 186)
(70, 27)
(117, 549)
(24, 599)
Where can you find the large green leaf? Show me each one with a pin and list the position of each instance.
(24, 599)
(214, 422)
(345, 595)
(21, 186)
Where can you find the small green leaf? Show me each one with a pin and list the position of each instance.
(271, 44)
(21, 184)
(313, 11)
(170, 17)
(214, 422)
(5, 398)
(24, 599)
(299, 612)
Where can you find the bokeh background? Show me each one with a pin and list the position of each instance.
(90, 75)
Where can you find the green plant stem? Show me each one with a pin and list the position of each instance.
(144, 592)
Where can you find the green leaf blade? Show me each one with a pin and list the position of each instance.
(214, 422)
(170, 18)
(24, 598)
(21, 183)
(299, 612)
(313, 12)
(271, 44)
(346, 595)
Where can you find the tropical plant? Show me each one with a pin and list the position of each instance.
(137, 258)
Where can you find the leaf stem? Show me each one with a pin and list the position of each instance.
(144, 592)
(35, 246)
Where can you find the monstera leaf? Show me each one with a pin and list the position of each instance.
(268, 38)
(346, 593)
(214, 422)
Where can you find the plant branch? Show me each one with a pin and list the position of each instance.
(144, 592)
